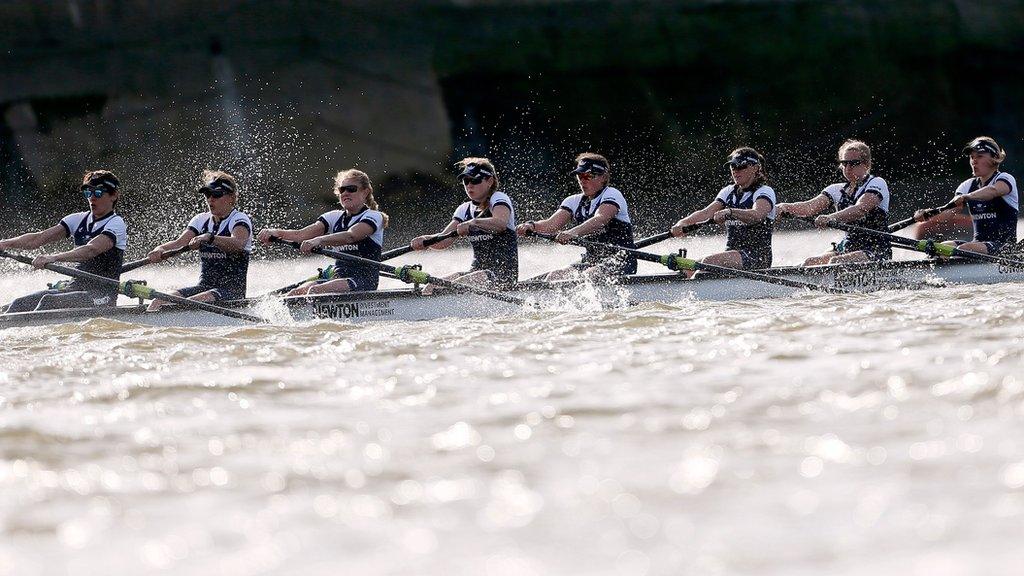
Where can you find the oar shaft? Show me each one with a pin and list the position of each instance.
(930, 247)
(428, 242)
(137, 290)
(928, 213)
(679, 263)
(407, 274)
(145, 261)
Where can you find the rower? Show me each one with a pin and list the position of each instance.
(601, 214)
(223, 237)
(100, 238)
(357, 229)
(991, 198)
(747, 208)
(488, 220)
(862, 200)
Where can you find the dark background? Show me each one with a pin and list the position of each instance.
(285, 94)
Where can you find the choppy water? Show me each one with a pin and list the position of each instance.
(877, 434)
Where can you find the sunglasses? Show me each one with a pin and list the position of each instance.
(739, 165)
(351, 189)
(587, 175)
(211, 193)
(92, 192)
(850, 163)
(472, 179)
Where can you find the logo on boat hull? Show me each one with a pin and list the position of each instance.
(868, 279)
(358, 309)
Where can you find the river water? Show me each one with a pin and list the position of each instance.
(821, 434)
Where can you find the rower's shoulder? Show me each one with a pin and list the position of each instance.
(500, 197)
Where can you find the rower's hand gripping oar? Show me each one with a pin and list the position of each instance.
(138, 289)
(928, 246)
(674, 262)
(644, 242)
(385, 256)
(408, 274)
(145, 261)
(928, 213)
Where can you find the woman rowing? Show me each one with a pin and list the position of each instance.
(600, 213)
(356, 229)
(747, 208)
(991, 198)
(100, 238)
(488, 220)
(863, 200)
(223, 237)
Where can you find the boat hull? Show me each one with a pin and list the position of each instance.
(411, 305)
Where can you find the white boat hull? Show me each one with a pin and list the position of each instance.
(408, 305)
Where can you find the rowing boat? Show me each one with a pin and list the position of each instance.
(411, 304)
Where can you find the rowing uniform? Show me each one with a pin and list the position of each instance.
(495, 253)
(618, 231)
(875, 247)
(81, 227)
(223, 272)
(360, 276)
(752, 241)
(995, 220)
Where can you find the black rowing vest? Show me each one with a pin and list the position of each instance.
(226, 271)
(994, 220)
(108, 263)
(366, 277)
(494, 251)
(754, 239)
(618, 230)
(876, 219)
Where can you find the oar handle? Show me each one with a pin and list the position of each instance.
(145, 261)
(428, 242)
(928, 213)
(650, 240)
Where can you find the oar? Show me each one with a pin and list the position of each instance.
(140, 263)
(408, 274)
(385, 256)
(138, 289)
(674, 262)
(428, 242)
(930, 247)
(928, 213)
(643, 242)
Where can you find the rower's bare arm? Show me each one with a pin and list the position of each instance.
(95, 247)
(156, 254)
(753, 215)
(865, 204)
(417, 242)
(497, 222)
(309, 232)
(701, 215)
(990, 192)
(807, 208)
(600, 219)
(34, 240)
(236, 242)
(549, 225)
